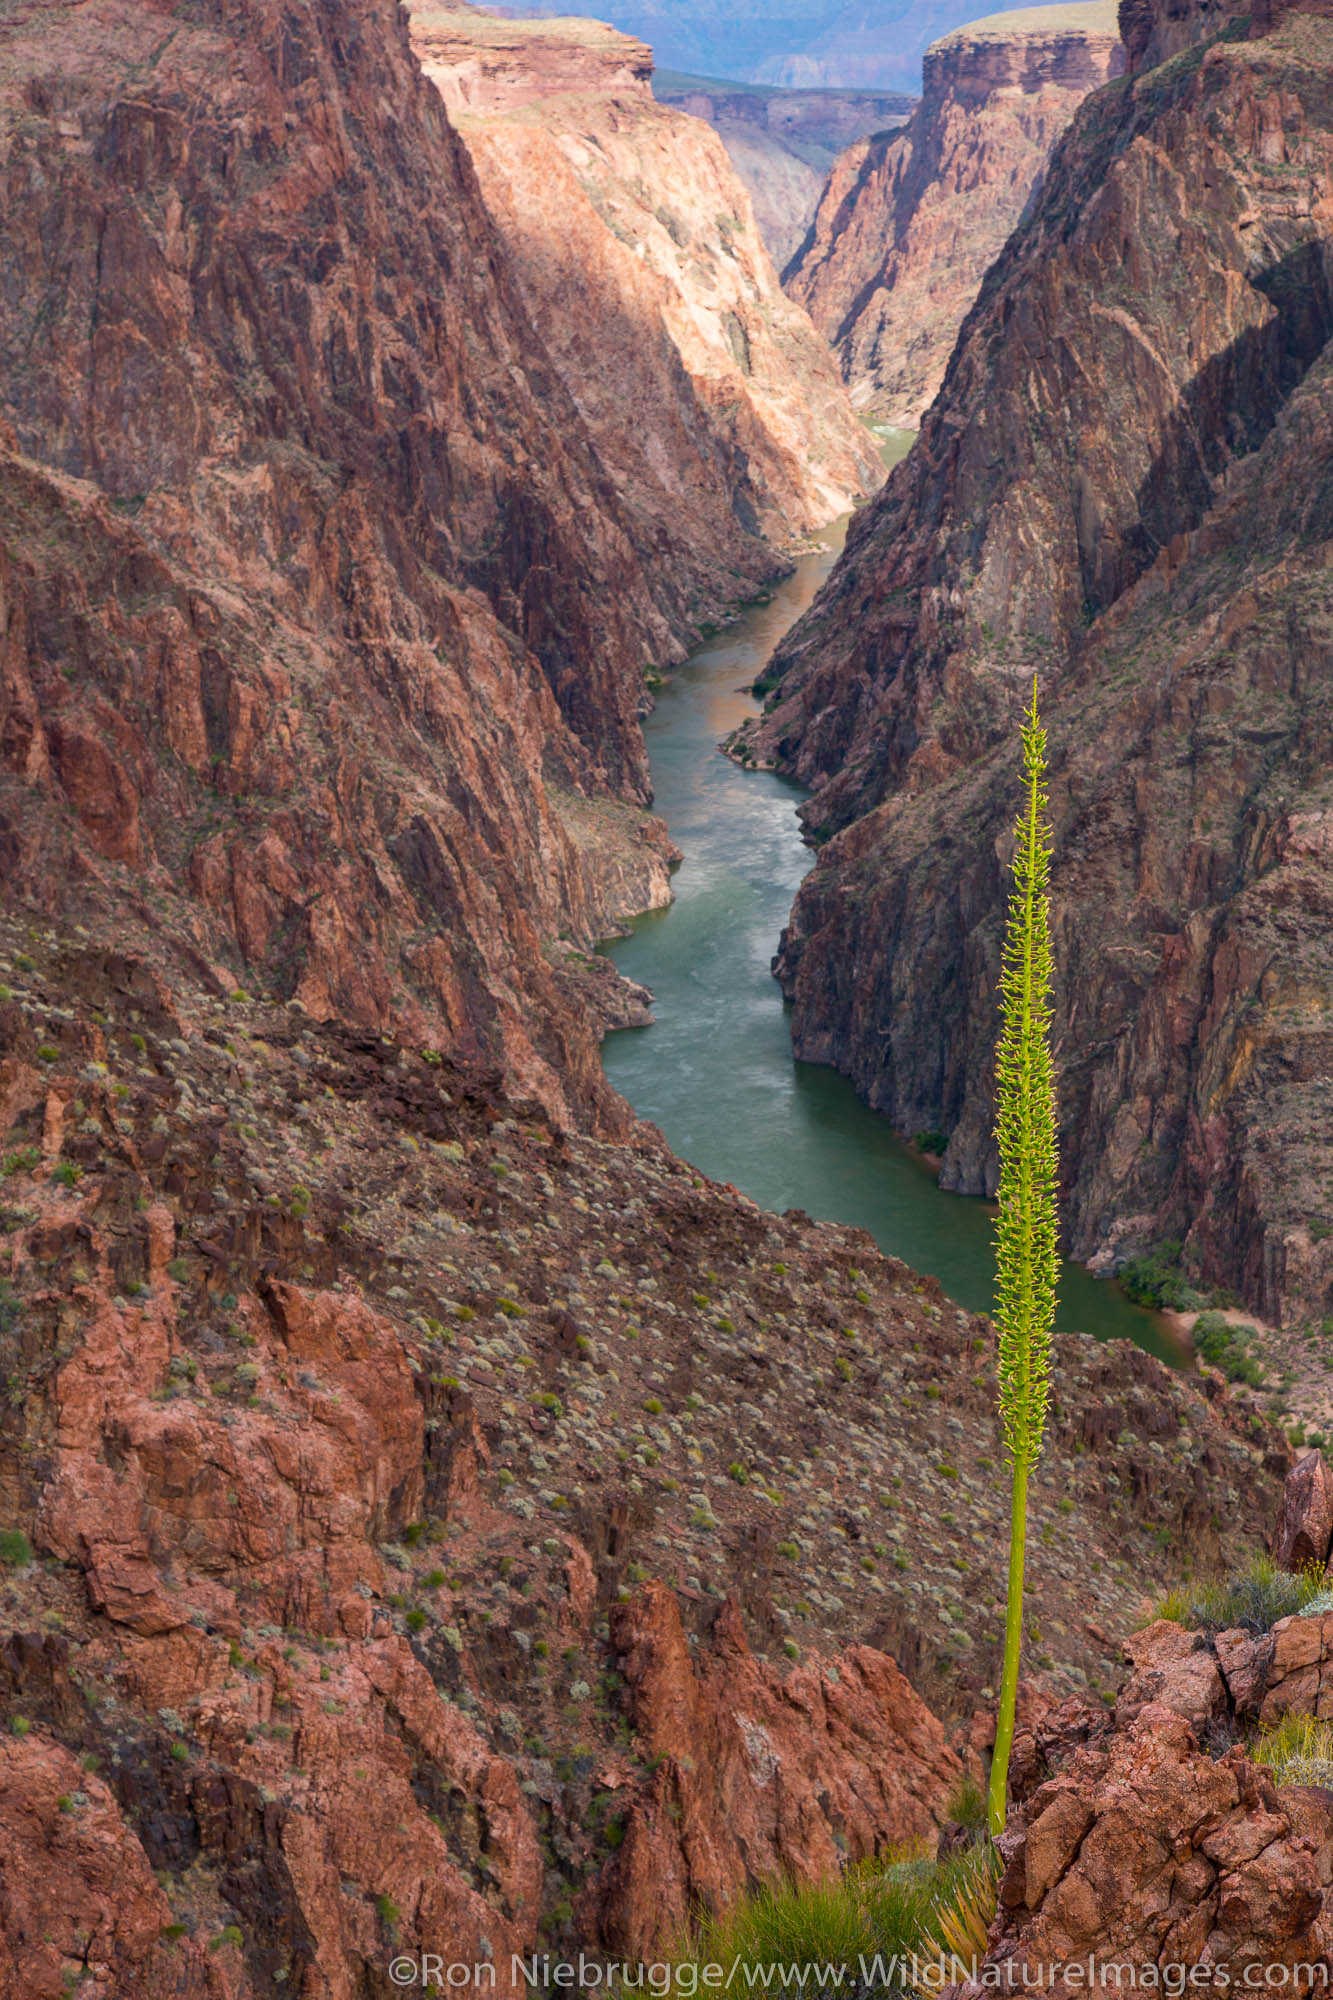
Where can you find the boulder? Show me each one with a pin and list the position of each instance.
(1305, 1525)
(1245, 1659)
(1173, 1669)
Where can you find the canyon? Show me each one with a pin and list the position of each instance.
(909, 222)
(434, 1517)
(783, 143)
(295, 527)
(452, 1530)
(1122, 489)
(710, 400)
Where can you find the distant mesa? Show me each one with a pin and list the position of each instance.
(909, 221)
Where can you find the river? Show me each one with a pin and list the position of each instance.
(715, 1070)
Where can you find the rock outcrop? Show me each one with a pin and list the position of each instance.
(711, 400)
(1185, 1831)
(909, 222)
(1150, 1853)
(1122, 487)
(783, 143)
(757, 1777)
(1304, 1529)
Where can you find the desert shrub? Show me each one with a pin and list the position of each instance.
(966, 1806)
(1254, 1598)
(1156, 1280)
(1221, 1344)
(1298, 1750)
(963, 1913)
(15, 1548)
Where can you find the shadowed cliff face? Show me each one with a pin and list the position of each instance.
(1123, 486)
(327, 612)
(910, 221)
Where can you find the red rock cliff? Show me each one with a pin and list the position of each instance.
(909, 221)
(1123, 486)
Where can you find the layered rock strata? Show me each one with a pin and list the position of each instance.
(909, 222)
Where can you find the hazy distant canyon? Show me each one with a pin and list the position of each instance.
(856, 44)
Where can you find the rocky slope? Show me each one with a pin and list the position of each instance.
(712, 402)
(909, 222)
(1165, 1845)
(1168, 1834)
(1124, 487)
(782, 143)
(450, 1530)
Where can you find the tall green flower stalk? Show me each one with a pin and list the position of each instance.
(1026, 1257)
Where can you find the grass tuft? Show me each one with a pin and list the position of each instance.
(1298, 1750)
(1254, 1598)
(906, 1905)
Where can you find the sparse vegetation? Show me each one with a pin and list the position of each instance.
(15, 1548)
(1298, 1750)
(909, 1904)
(1254, 1598)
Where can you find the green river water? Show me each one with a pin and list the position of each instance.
(715, 1071)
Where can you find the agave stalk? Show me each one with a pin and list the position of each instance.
(1026, 1257)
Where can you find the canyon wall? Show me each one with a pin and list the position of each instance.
(328, 604)
(783, 143)
(1123, 488)
(909, 222)
(711, 400)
